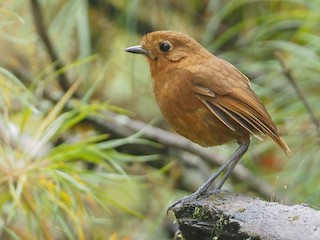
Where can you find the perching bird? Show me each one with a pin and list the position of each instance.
(204, 98)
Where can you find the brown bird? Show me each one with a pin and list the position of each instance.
(204, 98)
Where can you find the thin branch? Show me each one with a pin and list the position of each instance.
(41, 29)
(288, 73)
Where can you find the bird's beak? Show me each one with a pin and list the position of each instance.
(137, 50)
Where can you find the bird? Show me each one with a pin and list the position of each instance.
(205, 99)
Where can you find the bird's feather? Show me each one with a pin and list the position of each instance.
(237, 104)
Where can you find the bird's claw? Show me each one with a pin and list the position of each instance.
(184, 200)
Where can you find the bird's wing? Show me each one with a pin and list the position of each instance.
(226, 92)
(218, 75)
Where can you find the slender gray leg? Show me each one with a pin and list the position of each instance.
(233, 164)
(233, 160)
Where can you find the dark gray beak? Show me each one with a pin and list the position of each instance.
(137, 50)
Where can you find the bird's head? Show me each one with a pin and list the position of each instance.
(166, 46)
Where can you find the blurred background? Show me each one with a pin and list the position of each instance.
(68, 168)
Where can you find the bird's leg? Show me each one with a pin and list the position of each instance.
(233, 160)
(241, 151)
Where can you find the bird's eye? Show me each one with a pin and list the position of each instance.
(165, 46)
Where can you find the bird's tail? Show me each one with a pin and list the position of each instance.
(282, 145)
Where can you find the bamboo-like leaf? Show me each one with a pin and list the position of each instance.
(58, 107)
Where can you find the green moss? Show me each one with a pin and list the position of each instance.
(220, 223)
(201, 214)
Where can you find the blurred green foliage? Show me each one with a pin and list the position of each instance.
(47, 191)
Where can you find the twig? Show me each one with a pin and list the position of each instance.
(41, 29)
(288, 73)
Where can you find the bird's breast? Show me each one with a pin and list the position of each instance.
(186, 113)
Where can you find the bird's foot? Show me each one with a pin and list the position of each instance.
(187, 199)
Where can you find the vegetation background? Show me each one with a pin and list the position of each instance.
(67, 172)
